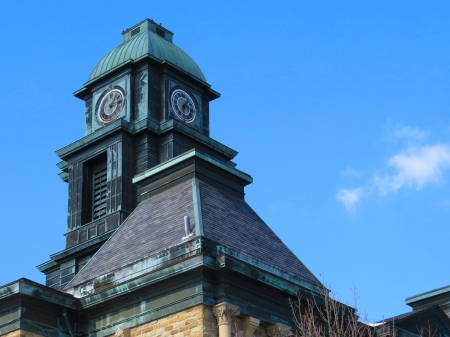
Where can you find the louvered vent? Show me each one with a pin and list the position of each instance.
(160, 32)
(135, 31)
(99, 204)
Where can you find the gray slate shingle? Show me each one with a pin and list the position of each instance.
(157, 223)
(234, 224)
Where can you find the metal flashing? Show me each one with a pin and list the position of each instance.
(64, 176)
(118, 124)
(152, 126)
(80, 246)
(33, 289)
(210, 142)
(62, 165)
(149, 264)
(46, 265)
(255, 262)
(177, 259)
(185, 156)
(427, 294)
(197, 208)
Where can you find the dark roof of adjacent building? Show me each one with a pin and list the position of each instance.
(157, 223)
(429, 296)
(432, 317)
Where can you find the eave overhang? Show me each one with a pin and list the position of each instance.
(38, 291)
(198, 252)
(428, 295)
(145, 124)
(189, 155)
(87, 87)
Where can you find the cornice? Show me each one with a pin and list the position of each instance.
(145, 124)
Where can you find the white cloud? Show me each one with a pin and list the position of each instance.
(404, 133)
(349, 197)
(414, 167)
(408, 133)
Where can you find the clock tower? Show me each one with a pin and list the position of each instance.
(147, 102)
(160, 240)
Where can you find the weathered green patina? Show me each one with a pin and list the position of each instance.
(133, 183)
(147, 42)
(141, 125)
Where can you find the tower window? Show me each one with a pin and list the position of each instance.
(95, 195)
(99, 193)
(81, 262)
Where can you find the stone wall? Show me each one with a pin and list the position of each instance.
(194, 322)
(21, 333)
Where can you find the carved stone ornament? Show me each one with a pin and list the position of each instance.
(119, 333)
(278, 330)
(224, 312)
(250, 324)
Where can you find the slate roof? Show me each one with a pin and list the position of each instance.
(157, 223)
(234, 224)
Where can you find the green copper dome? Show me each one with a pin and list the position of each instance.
(147, 38)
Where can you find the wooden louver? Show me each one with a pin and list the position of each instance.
(100, 186)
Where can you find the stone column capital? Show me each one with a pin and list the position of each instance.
(278, 330)
(224, 312)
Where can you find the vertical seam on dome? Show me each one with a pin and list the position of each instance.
(138, 47)
(149, 48)
(106, 64)
(147, 43)
(94, 72)
(98, 66)
(158, 48)
(176, 58)
(192, 67)
(126, 53)
(185, 57)
(121, 54)
(118, 58)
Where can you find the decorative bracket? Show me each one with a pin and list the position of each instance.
(250, 324)
(278, 330)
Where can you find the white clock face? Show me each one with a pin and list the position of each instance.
(183, 105)
(110, 107)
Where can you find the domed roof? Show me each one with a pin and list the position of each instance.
(144, 41)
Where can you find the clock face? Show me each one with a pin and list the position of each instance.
(183, 105)
(110, 106)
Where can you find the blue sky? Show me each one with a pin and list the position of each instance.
(339, 110)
